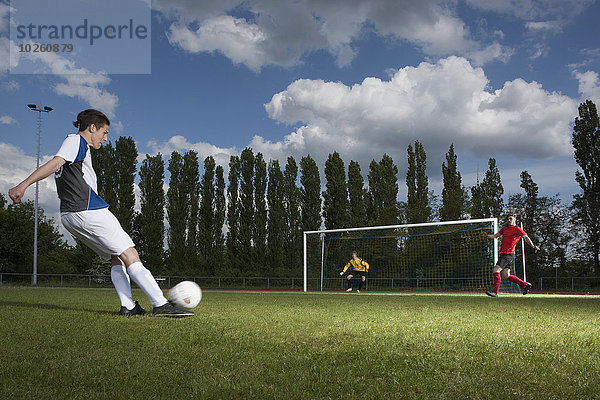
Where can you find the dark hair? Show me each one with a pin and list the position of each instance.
(88, 117)
(354, 252)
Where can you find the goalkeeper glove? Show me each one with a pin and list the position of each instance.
(341, 273)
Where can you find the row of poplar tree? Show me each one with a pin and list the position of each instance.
(250, 222)
(262, 207)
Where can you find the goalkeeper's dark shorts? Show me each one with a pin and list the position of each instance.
(506, 260)
(355, 273)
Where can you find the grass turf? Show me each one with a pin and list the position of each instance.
(70, 343)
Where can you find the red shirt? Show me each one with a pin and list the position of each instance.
(510, 238)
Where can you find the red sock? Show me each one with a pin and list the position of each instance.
(497, 280)
(513, 278)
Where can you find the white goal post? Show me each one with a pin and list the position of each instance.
(435, 253)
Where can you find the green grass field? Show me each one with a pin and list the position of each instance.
(70, 343)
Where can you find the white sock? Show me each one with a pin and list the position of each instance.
(121, 281)
(144, 279)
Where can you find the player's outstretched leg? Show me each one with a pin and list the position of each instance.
(525, 286)
(122, 284)
(349, 282)
(144, 279)
(525, 289)
(162, 307)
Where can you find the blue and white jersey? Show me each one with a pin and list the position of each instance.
(76, 179)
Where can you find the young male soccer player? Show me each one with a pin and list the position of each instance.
(510, 237)
(359, 267)
(86, 216)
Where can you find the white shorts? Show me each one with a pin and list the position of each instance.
(100, 230)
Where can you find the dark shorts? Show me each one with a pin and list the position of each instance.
(357, 273)
(506, 260)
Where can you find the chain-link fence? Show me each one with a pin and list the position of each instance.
(551, 284)
(165, 282)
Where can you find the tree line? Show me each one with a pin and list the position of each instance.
(250, 222)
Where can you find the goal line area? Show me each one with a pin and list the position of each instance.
(438, 256)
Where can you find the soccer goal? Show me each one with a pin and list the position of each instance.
(437, 256)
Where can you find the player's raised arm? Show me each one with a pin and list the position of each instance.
(490, 235)
(17, 192)
(530, 243)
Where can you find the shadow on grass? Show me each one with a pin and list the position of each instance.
(54, 307)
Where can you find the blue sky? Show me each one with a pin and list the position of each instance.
(498, 79)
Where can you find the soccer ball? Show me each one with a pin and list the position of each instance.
(186, 294)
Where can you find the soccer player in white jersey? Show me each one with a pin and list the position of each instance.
(87, 217)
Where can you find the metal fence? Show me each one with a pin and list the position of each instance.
(573, 284)
(99, 281)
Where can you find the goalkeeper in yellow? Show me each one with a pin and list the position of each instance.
(359, 267)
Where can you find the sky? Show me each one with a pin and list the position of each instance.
(499, 79)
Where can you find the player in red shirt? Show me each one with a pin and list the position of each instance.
(511, 235)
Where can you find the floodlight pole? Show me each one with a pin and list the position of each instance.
(46, 109)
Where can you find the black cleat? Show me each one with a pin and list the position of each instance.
(136, 310)
(526, 288)
(171, 310)
(491, 294)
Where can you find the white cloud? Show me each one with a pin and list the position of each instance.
(117, 126)
(590, 59)
(437, 104)
(4, 17)
(281, 33)
(542, 19)
(8, 120)
(549, 26)
(534, 10)
(591, 54)
(440, 34)
(79, 82)
(11, 86)
(538, 50)
(5, 54)
(238, 40)
(589, 85)
(181, 144)
(96, 97)
(495, 51)
(8, 58)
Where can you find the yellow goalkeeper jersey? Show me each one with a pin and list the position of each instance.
(357, 265)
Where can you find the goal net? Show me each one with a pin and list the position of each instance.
(439, 256)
